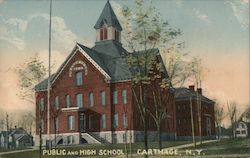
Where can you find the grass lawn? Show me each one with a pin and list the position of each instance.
(134, 147)
(227, 146)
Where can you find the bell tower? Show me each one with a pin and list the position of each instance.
(107, 26)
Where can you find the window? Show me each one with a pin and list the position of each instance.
(79, 76)
(56, 102)
(243, 132)
(90, 122)
(71, 140)
(91, 99)
(103, 98)
(124, 96)
(41, 105)
(124, 120)
(208, 122)
(67, 100)
(56, 123)
(103, 33)
(179, 121)
(117, 35)
(79, 102)
(115, 97)
(42, 125)
(103, 121)
(115, 120)
(178, 107)
(71, 122)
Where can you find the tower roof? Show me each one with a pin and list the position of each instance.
(108, 16)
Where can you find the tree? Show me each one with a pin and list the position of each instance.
(145, 31)
(30, 73)
(27, 122)
(219, 111)
(232, 109)
(162, 97)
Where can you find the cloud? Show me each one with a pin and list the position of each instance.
(201, 16)
(61, 34)
(57, 58)
(179, 3)
(13, 30)
(241, 12)
(1, 1)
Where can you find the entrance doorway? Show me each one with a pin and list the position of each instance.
(82, 123)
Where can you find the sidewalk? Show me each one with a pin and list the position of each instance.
(191, 144)
(18, 151)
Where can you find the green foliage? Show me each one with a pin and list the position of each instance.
(144, 27)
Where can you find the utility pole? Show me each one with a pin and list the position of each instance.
(48, 88)
(192, 122)
(7, 127)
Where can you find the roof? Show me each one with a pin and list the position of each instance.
(110, 56)
(108, 16)
(184, 93)
(44, 84)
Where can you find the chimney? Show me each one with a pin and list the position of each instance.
(199, 90)
(191, 87)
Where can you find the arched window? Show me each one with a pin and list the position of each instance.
(79, 77)
(117, 35)
(103, 33)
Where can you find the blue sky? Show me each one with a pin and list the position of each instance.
(215, 30)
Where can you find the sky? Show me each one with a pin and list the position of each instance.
(217, 31)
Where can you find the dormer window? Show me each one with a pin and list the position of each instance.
(103, 33)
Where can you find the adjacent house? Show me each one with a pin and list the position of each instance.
(15, 138)
(190, 106)
(243, 125)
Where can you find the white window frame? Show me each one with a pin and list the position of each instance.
(115, 97)
(124, 96)
(91, 99)
(103, 98)
(41, 104)
(67, 100)
(79, 78)
(116, 120)
(71, 122)
(79, 100)
(103, 121)
(56, 102)
(124, 120)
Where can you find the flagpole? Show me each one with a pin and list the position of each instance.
(48, 89)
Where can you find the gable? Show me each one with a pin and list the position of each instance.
(42, 86)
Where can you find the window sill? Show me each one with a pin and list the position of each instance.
(71, 109)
